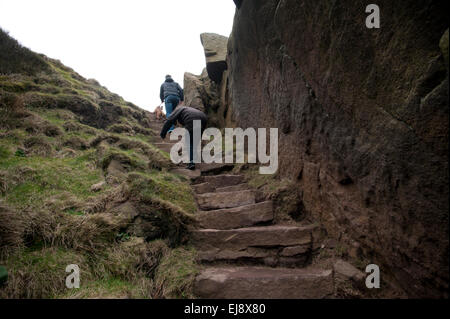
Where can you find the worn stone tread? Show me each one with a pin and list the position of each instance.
(210, 201)
(263, 236)
(234, 188)
(263, 283)
(237, 217)
(214, 168)
(221, 180)
(186, 173)
(203, 188)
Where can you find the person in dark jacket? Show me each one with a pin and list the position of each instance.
(186, 116)
(171, 94)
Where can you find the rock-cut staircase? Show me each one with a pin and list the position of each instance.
(242, 253)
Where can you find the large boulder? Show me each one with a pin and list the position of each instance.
(193, 89)
(215, 47)
(202, 93)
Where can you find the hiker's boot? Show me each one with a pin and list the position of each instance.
(191, 166)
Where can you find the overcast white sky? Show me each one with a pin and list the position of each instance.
(128, 46)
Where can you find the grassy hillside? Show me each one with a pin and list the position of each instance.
(81, 183)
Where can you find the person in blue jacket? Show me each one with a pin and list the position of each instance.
(171, 94)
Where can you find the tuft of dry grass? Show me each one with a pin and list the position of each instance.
(41, 273)
(89, 233)
(112, 288)
(10, 178)
(11, 110)
(36, 248)
(121, 147)
(102, 202)
(176, 274)
(133, 258)
(52, 130)
(121, 128)
(38, 146)
(76, 143)
(12, 228)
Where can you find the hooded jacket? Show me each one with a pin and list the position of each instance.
(184, 115)
(170, 87)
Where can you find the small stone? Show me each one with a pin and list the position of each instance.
(331, 243)
(294, 250)
(98, 187)
(270, 261)
(354, 250)
(345, 270)
(67, 152)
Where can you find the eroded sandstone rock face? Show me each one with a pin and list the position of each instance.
(363, 119)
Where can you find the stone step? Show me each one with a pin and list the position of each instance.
(221, 180)
(214, 168)
(192, 175)
(158, 139)
(163, 143)
(203, 188)
(168, 141)
(210, 201)
(234, 188)
(270, 245)
(263, 283)
(238, 217)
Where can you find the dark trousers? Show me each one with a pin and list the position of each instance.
(191, 139)
(171, 103)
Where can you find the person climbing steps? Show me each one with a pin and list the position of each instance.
(171, 94)
(186, 117)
